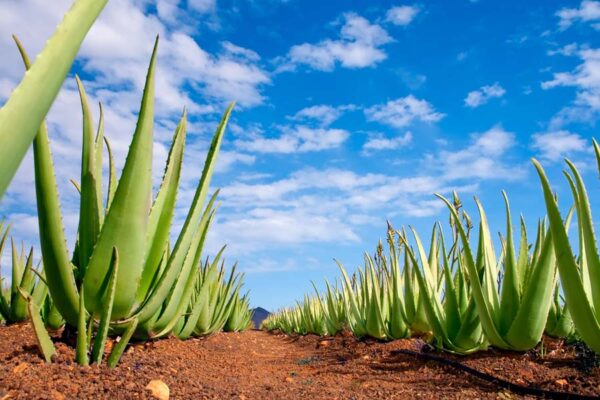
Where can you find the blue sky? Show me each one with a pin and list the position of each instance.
(349, 114)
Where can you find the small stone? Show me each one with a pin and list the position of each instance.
(20, 368)
(323, 343)
(561, 382)
(289, 379)
(159, 389)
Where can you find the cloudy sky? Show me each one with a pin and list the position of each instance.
(349, 114)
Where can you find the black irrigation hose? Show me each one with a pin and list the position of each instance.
(513, 387)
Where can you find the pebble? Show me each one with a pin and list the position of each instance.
(159, 389)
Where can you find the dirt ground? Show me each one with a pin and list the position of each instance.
(260, 365)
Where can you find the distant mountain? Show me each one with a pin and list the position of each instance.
(259, 316)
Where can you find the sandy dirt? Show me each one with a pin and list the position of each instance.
(260, 365)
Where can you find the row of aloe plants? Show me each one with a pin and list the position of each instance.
(123, 277)
(464, 293)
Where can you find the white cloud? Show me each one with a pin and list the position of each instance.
(588, 11)
(553, 146)
(586, 79)
(482, 159)
(322, 113)
(319, 205)
(202, 6)
(358, 46)
(484, 94)
(402, 15)
(263, 227)
(567, 50)
(297, 139)
(379, 142)
(402, 112)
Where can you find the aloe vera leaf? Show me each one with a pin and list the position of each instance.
(597, 152)
(163, 210)
(26, 108)
(59, 270)
(530, 321)
(450, 306)
(54, 320)
(119, 348)
(409, 293)
(89, 222)
(43, 339)
(523, 258)
(433, 257)
(510, 294)
(98, 152)
(19, 303)
(182, 244)
(582, 311)
(192, 318)
(109, 297)
(490, 269)
(4, 305)
(128, 213)
(483, 304)
(89, 333)
(40, 292)
(81, 349)
(584, 268)
(112, 176)
(428, 270)
(16, 270)
(586, 224)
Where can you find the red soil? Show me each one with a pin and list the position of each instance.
(260, 365)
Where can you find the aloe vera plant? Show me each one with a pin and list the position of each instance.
(240, 317)
(334, 308)
(450, 307)
(580, 277)
(13, 306)
(214, 298)
(26, 108)
(514, 316)
(153, 281)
